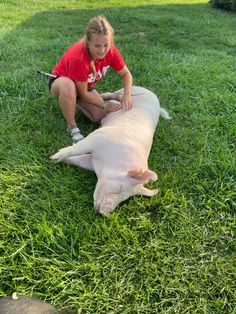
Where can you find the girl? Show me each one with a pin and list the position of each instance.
(80, 67)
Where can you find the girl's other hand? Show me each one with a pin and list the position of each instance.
(113, 105)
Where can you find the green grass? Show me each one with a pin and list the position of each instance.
(173, 253)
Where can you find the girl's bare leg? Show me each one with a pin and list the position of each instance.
(64, 90)
(93, 113)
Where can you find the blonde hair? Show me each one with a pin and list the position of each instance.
(100, 26)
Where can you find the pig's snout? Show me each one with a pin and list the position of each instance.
(105, 207)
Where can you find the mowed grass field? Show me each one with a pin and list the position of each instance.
(172, 253)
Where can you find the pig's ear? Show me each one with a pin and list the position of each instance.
(141, 176)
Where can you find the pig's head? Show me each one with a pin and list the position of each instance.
(111, 191)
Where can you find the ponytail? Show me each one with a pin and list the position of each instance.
(93, 68)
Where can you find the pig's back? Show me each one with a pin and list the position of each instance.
(144, 114)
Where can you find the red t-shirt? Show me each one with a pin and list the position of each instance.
(75, 64)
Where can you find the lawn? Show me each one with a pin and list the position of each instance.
(172, 253)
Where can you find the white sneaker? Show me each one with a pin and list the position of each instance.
(76, 135)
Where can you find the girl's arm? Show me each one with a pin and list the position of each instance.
(94, 98)
(85, 95)
(127, 79)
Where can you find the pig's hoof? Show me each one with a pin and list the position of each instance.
(155, 191)
(59, 156)
(56, 157)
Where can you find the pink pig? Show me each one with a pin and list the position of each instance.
(118, 151)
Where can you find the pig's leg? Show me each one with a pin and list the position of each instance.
(112, 96)
(83, 147)
(83, 161)
(146, 192)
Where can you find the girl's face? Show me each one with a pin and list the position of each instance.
(98, 46)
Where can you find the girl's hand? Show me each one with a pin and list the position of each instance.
(112, 105)
(126, 102)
